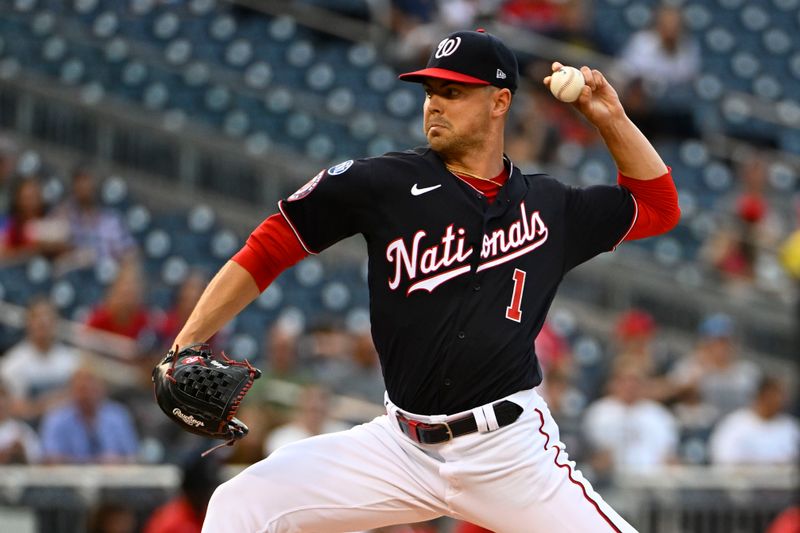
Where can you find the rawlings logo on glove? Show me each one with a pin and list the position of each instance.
(189, 419)
(202, 394)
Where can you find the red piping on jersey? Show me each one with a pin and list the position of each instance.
(271, 248)
(569, 473)
(657, 205)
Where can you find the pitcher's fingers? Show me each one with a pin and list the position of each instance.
(586, 96)
(588, 77)
(556, 66)
(547, 80)
(599, 78)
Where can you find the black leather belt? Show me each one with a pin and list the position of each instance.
(505, 411)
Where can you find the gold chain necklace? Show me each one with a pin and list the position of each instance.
(461, 172)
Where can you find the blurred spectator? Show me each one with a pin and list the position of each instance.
(663, 55)
(749, 231)
(552, 350)
(280, 349)
(96, 233)
(18, 441)
(36, 371)
(660, 64)
(185, 513)
(122, 310)
(786, 522)
(540, 124)
(28, 231)
(413, 23)
(696, 420)
(635, 345)
(721, 379)
(457, 15)
(566, 404)
(345, 362)
(575, 27)
(186, 297)
(418, 26)
(112, 518)
(90, 428)
(9, 152)
(732, 250)
(311, 418)
(647, 429)
(261, 418)
(418, 11)
(536, 15)
(790, 259)
(759, 434)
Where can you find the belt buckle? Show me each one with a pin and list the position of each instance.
(414, 425)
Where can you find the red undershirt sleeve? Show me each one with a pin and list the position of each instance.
(271, 248)
(656, 202)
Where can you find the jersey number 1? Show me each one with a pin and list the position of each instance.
(513, 311)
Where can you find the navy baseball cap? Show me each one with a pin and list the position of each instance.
(474, 57)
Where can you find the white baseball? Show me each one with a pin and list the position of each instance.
(566, 84)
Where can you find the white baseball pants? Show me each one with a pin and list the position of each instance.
(515, 479)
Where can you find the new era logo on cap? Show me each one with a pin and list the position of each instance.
(470, 57)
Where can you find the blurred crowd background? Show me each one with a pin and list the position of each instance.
(141, 140)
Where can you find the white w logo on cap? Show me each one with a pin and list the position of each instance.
(447, 47)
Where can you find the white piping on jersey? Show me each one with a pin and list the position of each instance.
(294, 230)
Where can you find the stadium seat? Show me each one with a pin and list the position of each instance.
(754, 18)
(340, 101)
(174, 270)
(178, 52)
(282, 29)
(105, 25)
(320, 147)
(222, 27)
(320, 77)
(43, 24)
(157, 244)
(258, 75)
(239, 53)
(166, 26)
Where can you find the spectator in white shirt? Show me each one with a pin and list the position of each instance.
(19, 443)
(759, 434)
(626, 431)
(665, 54)
(36, 370)
(311, 419)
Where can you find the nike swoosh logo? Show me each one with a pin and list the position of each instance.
(416, 191)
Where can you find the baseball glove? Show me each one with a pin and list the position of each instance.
(202, 393)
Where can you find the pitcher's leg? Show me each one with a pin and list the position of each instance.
(526, 484)
(349, 481)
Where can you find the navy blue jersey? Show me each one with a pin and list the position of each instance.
(459, 287)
